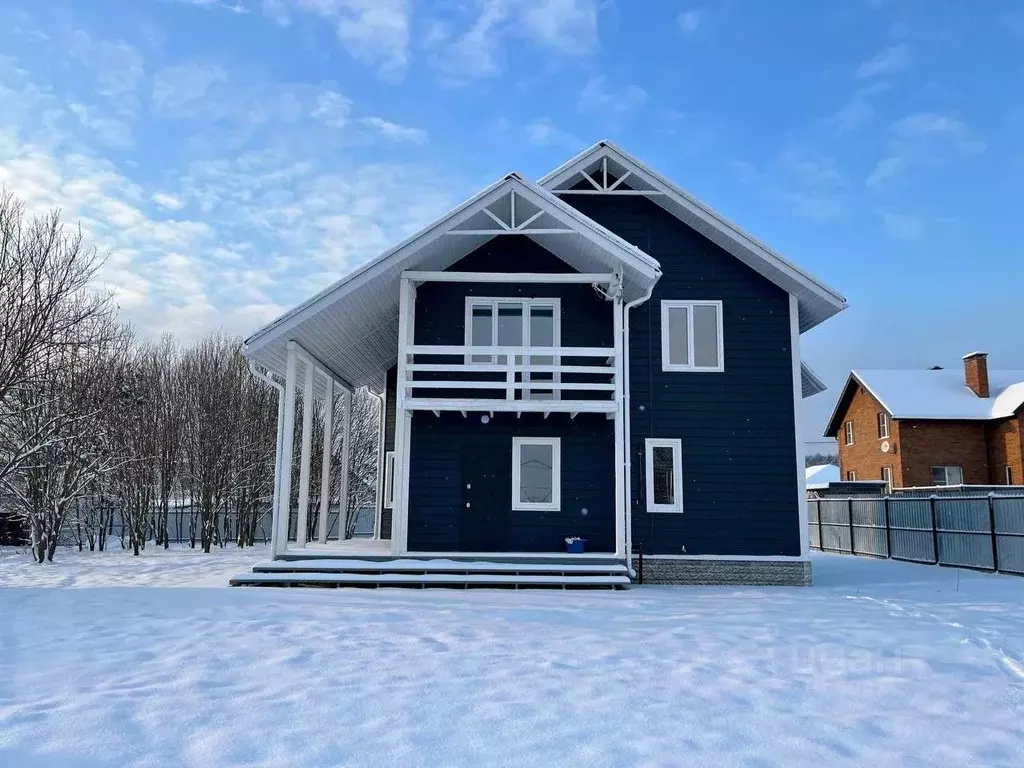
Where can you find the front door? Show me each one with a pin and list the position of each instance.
(486, 500)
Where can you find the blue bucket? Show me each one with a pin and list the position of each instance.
(575, 547)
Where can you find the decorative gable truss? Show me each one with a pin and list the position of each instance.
(604, 175)
(511, 214)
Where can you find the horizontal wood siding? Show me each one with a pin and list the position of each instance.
(436, 506)
(437, 445)
(736, 427)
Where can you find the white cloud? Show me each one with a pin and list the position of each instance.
(690, 22)
(165, 200)
(109, 131)
(178, 89)
(543, 132)
(895, 58)
(901, 225)
(466, 47)
(396, 132)
(941, 128)
(600, 99)
(885, 169)
(333, 109)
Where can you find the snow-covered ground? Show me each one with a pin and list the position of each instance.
(109, 660)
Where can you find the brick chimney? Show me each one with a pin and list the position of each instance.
(976, 372)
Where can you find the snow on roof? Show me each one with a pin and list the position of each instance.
(943, 394)
(820, 475)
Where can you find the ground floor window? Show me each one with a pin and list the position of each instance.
(536, 473)
(851, 475)
(947, 475)
(664, 469)
(1009, 475)
(389, 479)
(887, 478)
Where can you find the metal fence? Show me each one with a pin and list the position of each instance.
(983, 532)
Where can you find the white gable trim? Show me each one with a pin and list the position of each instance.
(631, 257)
(817, 300)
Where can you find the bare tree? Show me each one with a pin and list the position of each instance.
(45, 273)
(71, 389)
(363, 448)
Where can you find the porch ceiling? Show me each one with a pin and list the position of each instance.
(352, 327)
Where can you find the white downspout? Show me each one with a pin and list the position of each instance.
(628, 436)
(277, 451)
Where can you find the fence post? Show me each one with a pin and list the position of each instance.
(888, 527)
(849, 514)
(935, 529)
(821, 528)
(992, 528)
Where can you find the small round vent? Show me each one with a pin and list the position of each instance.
(885, 446)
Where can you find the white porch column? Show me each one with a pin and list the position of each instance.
(621, 502)
(346, 439)
(403, 422)
(304, 457)
(284, 494)
(325, 468)
(278, 457)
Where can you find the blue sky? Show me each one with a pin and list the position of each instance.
(234, 157)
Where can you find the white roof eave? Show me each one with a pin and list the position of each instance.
(817, 302)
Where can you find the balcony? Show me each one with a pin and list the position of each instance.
(512, 379)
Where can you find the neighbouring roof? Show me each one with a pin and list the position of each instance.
(820, 475)
(352, 326)
(939, 395)
(817, 302)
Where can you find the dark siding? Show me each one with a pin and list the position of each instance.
(440, 460)
(438, 518)
(390, 412)
(736, 427)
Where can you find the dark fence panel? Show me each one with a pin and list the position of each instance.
(984, 532)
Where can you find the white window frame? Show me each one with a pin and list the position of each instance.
(887, 478)
(1008, 472)
(691, 366)
(883, 425)
(945, 469)
(527, 304)
(677, 471)
(389, 480)
(556, 474)
(848, 433)
(851, 476)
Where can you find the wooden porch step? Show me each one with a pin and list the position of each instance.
(432, 579)
(438, 566)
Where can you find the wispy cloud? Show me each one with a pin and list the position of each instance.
(902, 225)
(465, 46)
(178, 89)
(888, 61)
(691, 22)
(612, 103)
(396, 132)
(803, 182)
(922, 140)
(943, 129)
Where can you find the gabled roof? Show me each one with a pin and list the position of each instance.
(935, 395)
(352, 326)
(810, 384)
(817, 302)
(820, 475)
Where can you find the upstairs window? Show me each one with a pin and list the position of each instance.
(691, 336)
(947, 475)
(883, 426)
(1009, 475)
(848, 432)
(851, 475)
(664, 470)
(516, 323)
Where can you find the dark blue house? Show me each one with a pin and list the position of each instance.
(597, 360)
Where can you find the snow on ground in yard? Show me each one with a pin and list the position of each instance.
(880, 664)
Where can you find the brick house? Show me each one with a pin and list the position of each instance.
(933, 427)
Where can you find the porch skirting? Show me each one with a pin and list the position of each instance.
(724, 571)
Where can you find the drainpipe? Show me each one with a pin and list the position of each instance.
(626, 430)
(278, 454)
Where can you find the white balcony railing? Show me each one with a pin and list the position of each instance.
(542, 379)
